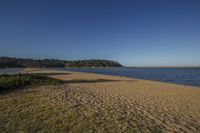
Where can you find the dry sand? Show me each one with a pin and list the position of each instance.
(125, 104)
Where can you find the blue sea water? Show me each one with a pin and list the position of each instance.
(9, 70)
(185, 76)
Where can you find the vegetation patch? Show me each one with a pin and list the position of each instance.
(11, 82)
(7, 62)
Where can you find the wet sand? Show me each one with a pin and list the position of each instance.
(125, 104)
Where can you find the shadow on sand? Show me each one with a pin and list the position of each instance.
(91, 81)
(51, 74)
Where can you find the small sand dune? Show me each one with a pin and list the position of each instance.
(126, 104)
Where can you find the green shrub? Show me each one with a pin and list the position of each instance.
(8, 82)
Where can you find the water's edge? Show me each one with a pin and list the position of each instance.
(183, 76)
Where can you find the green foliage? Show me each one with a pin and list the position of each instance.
(7, 62)
(8, 82)
(92, 63)
(23, 63)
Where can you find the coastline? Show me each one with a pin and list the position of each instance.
(89, 102)
(172, 106)
(160, 76)
(183, 76)
(93, 75)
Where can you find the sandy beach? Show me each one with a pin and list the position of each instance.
(120, 104)
(135, 103)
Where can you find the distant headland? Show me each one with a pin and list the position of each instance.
(10, 62)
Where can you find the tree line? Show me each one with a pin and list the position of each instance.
(8, 62)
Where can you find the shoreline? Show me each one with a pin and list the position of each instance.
(171, 107)
(97, 102)
(44, 70)
(60, 69)
(156, 81)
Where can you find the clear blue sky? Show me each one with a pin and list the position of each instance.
(133, 32)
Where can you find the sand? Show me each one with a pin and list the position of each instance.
(125, 104)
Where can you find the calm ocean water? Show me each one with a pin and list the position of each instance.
(9, 70)
(185, 76)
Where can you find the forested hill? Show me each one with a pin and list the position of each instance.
(8, 62)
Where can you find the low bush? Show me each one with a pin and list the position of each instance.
(9, 82)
